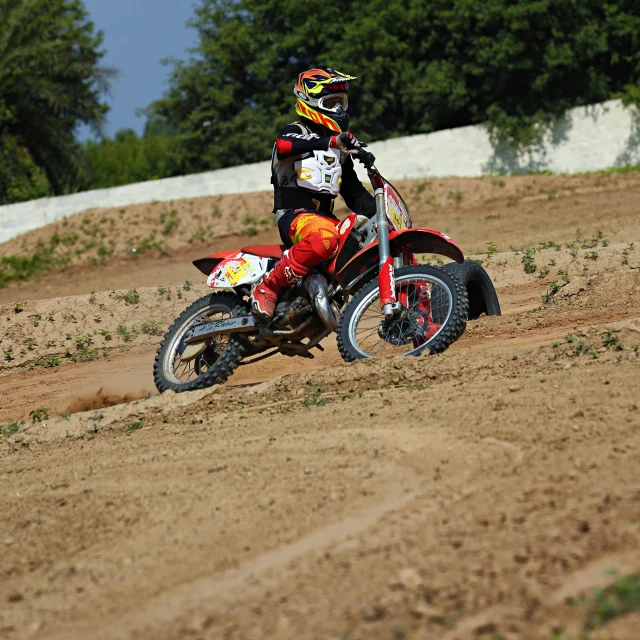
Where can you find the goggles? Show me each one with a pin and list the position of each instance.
(335, 102)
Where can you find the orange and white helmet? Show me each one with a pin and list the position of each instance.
(322, 98)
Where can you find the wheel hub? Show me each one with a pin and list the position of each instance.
(404, 330)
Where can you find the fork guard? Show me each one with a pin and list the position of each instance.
(412, 240)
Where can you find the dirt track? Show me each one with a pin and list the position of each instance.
(466, 495)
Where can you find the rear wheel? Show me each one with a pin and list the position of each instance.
(435, 315)
(215, 363)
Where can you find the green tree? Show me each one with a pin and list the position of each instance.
(127, 159)
(51, 81)
(424, 65)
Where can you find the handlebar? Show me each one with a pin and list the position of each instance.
(365, 157)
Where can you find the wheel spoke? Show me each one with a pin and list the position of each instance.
(181, 372)
(428, 302)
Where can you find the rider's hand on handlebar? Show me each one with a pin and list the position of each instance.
(346, 142)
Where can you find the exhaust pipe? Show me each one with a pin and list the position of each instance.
(316, 285)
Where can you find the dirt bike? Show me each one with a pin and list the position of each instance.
(372, 293)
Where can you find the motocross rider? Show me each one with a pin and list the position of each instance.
(310, 166)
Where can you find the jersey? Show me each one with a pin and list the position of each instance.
(307, 173)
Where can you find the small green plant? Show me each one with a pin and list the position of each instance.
(97, 319)
(550, 244)
(106, 335)
(187, 286)
(573, 248)
(134, 426)
(528, 261)
(249, 220)
(127, 335)
(171, 224)
(621, 598)
(610, 341)
(38, 415)
(492, 249)
(10, 428)
(46, 363)
(544, 272)
(36, 319)
(49, 344)
(251, 231)
(591, 255)
(580, 347)
(554, 287)
(30, 344)
(456, 196)
(420, 187)
(312, 396)
(129, 298)
(8, 354)
(200, 235)
(18, 308)
(152, 328)
(84, 341)
(65, 416)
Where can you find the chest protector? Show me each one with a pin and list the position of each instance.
(320, 171)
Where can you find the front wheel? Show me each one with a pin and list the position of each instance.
(220, 356)
(435, 307)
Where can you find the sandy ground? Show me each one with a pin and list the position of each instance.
(477, 493)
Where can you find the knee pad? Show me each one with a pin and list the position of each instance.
(316, 247)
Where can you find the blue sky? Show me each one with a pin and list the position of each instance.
(137, 35)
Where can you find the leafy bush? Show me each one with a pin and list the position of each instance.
(424, 65)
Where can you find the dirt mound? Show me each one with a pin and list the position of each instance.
(102, 399)
(477, 212)
(49, 333)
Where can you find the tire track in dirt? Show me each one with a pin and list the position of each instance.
(250, 576)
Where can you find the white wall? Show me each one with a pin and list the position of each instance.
(586, 139)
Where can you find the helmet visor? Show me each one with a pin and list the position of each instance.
(335, 102)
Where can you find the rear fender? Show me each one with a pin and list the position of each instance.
(411, 240)
(237, 269)
(208, 264)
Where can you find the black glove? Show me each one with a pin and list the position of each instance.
(346, 142)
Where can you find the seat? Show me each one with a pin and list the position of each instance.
(265, 250)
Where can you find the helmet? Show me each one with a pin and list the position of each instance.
(322, 98)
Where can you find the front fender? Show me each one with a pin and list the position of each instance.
(413, 240)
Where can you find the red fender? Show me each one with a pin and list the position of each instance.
(413, 240)
(208, 264)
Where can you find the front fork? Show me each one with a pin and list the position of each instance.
(386, 275)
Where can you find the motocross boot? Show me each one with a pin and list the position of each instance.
(265, 294)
